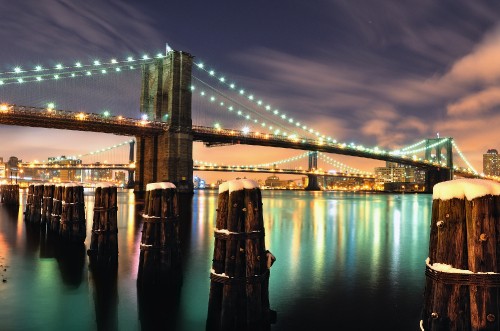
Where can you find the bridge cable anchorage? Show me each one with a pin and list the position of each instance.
(224, 95)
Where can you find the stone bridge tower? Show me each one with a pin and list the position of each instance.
(166, 97)
(437, 175)
(312, 180)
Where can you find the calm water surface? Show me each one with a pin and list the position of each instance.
(345, 261)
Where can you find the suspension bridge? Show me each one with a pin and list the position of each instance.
(79, 167)
(163, 127)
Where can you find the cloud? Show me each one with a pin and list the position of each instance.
(474, 136)
(479, 66)
(67, 28)
(477, 103)
(375, 128)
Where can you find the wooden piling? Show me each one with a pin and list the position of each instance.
(239, 294)
(9, 194)
(55, 216)
(104, 244)
(160, 256)
(35, 214)
(29, 202)
(463, 267)
(47, 202)
(72, 225)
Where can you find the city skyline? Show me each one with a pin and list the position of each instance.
(380, 74)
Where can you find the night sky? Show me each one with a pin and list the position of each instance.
(384, 73)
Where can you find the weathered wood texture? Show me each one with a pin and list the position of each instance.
(35, 213)
(160, 252)
(464, 234)
(55, 216)
(104, 243)
(47, 202)
(9, 194)
(72, 225)
(239, 296)
(29, 202)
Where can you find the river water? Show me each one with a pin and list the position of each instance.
(345, 261)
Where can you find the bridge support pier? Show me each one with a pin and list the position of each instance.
(166, 97)
(312, 180)
(165, 158)
(436, 175)
(312, 183)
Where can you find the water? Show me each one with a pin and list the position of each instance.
(345, 261)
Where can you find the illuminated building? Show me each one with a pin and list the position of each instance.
(491, 163)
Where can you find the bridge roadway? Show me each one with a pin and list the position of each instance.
(222, 168)
(69, 120)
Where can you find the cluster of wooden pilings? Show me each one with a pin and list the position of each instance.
(160, 253)
(9, 194)
(462, 289)
(239, 294)
(61, 208)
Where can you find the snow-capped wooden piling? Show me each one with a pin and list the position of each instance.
(103, 243)
(239, 294)
(47, 202)
(160, 255)
(55, 216)
(9, 194)
(72, 225)
(462, 289)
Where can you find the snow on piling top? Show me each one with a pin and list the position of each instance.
(104, 184)
(158, 186)
(237, 185)
(465, 188)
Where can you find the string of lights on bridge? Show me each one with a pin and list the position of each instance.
(78, 69)
(340, 166)
(39, 73)
(260, 103)
(102, 150)
(19, 75)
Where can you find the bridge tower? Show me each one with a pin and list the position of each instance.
(312, 180)
(166, 97)
(437, 175)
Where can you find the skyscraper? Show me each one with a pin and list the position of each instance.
(491, 163)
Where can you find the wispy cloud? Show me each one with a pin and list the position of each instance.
(74, 28)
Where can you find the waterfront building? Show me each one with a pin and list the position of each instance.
(3, 168)
(64, 175)
(199, 183)
(399, 177)
(121, 178)
(491, 163)
(275, 182)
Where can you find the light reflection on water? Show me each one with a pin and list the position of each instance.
(346, 260)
